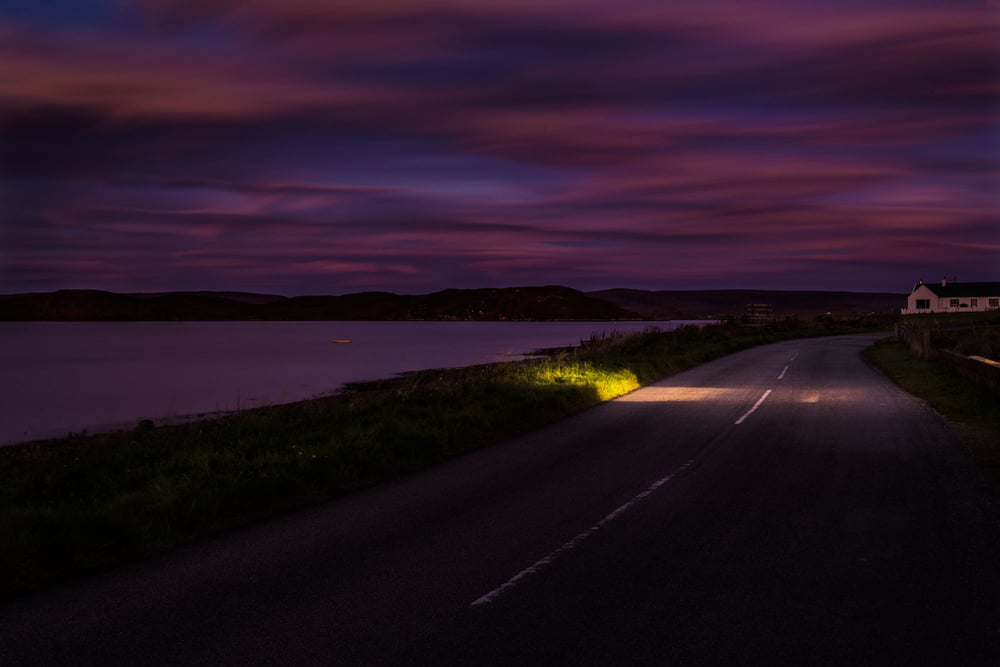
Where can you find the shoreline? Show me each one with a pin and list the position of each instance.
(74, 378)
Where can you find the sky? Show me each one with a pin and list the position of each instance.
(336, 146)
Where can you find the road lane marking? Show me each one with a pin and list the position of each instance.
(785, 369)
(754, 408)
(542, 563)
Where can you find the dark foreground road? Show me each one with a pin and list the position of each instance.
(782, 506)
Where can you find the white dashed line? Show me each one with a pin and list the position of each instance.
(755, 406)
(542, 563)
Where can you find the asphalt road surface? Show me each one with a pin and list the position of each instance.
(785, 505)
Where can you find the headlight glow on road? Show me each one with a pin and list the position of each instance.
(681, 394)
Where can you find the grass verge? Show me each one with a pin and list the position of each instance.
(973, 411)
(76, 505)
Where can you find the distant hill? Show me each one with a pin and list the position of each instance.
(512, 303)
(241, 297)
(694, 304)
(95, 305)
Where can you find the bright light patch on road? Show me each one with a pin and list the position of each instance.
(680, 394)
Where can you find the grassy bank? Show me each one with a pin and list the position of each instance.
(973, 411)
(72, 506)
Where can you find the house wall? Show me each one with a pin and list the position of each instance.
(922, 293)
(936, 304)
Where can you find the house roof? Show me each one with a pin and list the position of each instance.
(956, 290)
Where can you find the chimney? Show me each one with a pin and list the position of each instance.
(944, 281)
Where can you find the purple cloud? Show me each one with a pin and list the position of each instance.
(310, 146)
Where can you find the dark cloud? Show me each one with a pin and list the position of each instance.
(311, 145)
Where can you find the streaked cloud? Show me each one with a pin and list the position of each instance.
(308, 146)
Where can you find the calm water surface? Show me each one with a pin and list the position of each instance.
(63, 377)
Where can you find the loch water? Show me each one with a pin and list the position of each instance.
(70, 377)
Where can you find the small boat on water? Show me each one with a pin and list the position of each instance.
(341, 340)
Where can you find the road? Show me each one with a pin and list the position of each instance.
(785, 505)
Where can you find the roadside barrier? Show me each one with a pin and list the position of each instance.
(982, 371)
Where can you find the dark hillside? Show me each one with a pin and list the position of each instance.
(360, 306)
(64, 305)
(517, 303)
(241, 297)
(514, 303)
(685, 304)
(510, 303)
(98, 306)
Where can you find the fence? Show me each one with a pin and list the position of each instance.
(918, 338)
(921, 339)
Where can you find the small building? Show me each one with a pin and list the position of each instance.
(758, 314)
(952, 298)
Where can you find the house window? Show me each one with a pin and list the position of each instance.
(923, 304)
(953, 303)
(994, 303)
(974, 303)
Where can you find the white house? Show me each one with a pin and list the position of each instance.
(954, 298)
